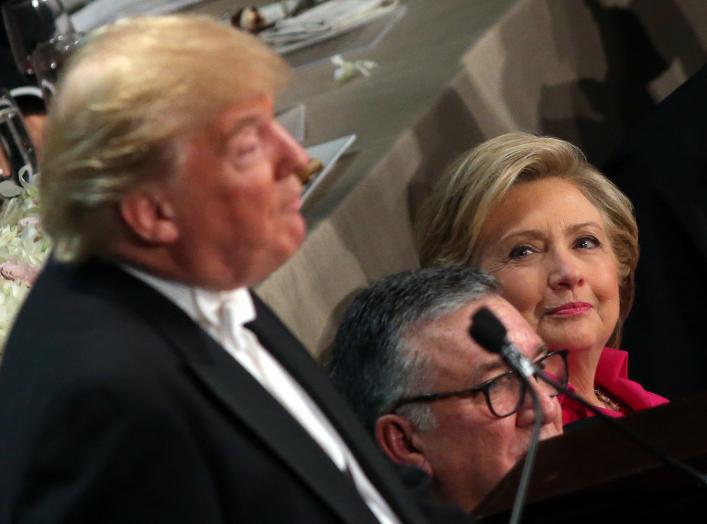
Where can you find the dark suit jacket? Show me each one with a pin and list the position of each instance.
(662, 168)
(116, 407)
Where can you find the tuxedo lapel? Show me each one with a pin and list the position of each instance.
(244, 398)
(253, 405)
(273, 335)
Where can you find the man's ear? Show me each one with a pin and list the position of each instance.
(396, 436)
(149, 217)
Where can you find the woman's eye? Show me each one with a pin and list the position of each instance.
(521, 251)
(588, 242)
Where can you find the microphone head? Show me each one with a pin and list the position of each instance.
(487, 331)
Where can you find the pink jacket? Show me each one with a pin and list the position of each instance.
(612, 376)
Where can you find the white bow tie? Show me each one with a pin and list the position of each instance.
(224, 311)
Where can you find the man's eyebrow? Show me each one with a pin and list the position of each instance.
(235, 127)
(481, 372)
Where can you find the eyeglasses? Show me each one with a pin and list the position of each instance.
(505, 393)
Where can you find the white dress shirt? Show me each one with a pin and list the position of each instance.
(222, 315)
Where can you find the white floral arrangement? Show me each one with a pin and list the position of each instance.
(23, 250)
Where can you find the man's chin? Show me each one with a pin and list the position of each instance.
(298, 232)
(520, 453)
(550, 433)
(289, 246)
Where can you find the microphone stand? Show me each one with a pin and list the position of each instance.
(487, 331)
(678, 465)
(524, 482)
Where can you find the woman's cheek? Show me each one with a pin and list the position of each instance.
(517, 287)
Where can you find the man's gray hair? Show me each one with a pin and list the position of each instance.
(373, 362)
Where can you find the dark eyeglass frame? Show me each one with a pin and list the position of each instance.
(484, 388)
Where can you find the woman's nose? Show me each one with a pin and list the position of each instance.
(290, 157)
(564, 271)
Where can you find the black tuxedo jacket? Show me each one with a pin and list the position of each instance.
(662, 168)
(116, 407)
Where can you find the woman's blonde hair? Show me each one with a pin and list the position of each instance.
(450, 221)
(130, 96)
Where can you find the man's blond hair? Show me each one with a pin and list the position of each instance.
(130, 96)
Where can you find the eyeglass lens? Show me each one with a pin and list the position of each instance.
(505, 394)
(555, 367)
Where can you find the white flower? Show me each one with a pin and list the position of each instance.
(23, 250)
(346, 70)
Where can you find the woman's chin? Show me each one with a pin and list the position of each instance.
(573, 342)
(573, 335)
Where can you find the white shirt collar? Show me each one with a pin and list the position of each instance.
(202, 305)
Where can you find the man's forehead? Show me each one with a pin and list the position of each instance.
(446, 337)
(243, 112)
(520, 333)
(447, 342)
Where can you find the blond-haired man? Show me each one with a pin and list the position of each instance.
(142, 381)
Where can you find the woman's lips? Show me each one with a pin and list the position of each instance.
(570, 309)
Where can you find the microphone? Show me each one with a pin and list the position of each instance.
(487, 331)
(490, 334)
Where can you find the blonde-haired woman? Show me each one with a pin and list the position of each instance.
(562, 241)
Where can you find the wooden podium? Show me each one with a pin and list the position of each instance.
(593, 473)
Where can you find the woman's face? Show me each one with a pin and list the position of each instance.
(548, 247)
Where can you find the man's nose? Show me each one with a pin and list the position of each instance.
(290, 157)
(549, 406)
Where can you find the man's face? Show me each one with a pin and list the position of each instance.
(236, 200)
(470, 449)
